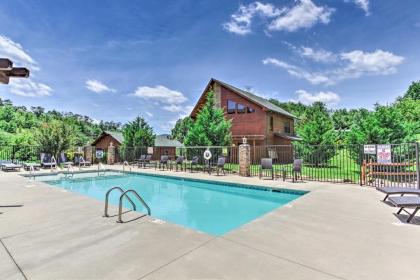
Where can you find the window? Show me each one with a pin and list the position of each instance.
(231, 107)
(271, 123)
(241, 109)
(286, 127)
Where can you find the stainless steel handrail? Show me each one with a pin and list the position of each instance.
(107, 197)
(101, 169)
(31, 172)
(124, 164)
(138, 197)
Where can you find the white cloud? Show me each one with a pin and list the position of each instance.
(28, 88)
(309, 98)
(173, 108)
(161, 94)
(317, 55)
(149, 114)
(15, 52)
(313, 78)
(98, 86)
(351, 65)
(364, 5)
(240, 22)
(304, 14)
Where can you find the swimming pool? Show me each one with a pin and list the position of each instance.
(211, 207)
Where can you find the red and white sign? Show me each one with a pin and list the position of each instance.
(383, 153)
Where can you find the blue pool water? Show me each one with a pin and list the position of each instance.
(202, 205)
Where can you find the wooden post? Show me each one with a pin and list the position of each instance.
(363, 172)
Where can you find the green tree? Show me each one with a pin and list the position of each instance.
(55, 137)
(210, 127)
(317, 133)
(138, 133)
(413, 91)
(181, 129)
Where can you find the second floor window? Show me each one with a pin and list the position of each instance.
(271, 123)
(287, 127)
(231, 107)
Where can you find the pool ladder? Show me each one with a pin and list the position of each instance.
(124, 194)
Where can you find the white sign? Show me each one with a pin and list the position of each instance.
(99, 154)
(384, 154)
(207, 154)
(150, 150)
(369, 149)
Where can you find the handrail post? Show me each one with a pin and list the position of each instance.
(107, 198)
(138, 197)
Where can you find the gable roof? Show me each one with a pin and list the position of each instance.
(118, 136)
(256, 99)
(247, 95)
(164, 141)
(160, 141)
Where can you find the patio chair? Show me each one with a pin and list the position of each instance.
(63, 160)
(140, 161)
(406, 202)
(11, 167)
(194, 163)
(397, 191)
(267, 165)
(164, 160)
(220, 165)
(147, 161)
(297, 169)
(179, 162)
(83, 162)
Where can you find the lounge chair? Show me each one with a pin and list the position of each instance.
(267, 164)
(63, 160)
(194, 163)
(163, 162)
(140, 161)
(220, 165)
(406, 202)
(297, 169)
(397, 191)
(48, 161)
(3, 162)
(11, 167)
(83, 162)
(179, 162)
(27, 166)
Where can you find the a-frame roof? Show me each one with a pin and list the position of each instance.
(247, 95)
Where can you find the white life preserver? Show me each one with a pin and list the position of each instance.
(207, 154)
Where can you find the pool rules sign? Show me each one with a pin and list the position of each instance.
(383, 153)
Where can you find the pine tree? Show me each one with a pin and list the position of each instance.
(210, 127)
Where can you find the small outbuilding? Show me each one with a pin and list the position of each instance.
(163, 144)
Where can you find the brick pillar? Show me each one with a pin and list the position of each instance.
(111, 154)
(88, 153)
(244, 160)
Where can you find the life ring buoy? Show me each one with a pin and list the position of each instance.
(207, 154)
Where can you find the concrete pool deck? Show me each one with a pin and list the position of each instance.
(336, 231)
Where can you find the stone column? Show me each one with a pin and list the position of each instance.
(88, 153)
(244, 160)
(111, 154)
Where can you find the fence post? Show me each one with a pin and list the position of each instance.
(244, 160)
(417, 165)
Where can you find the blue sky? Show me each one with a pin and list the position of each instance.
(114, 60)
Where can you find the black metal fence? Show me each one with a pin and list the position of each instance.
(20, 153)
(370, 165)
